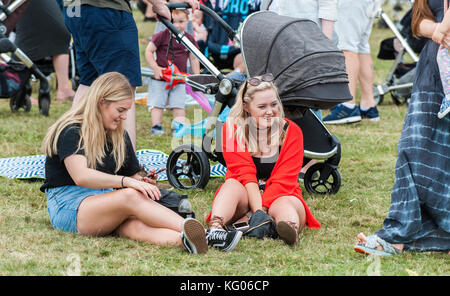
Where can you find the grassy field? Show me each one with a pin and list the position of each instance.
(30, 246)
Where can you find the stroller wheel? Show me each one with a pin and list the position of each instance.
(398, 100)
(16, 102)
(321, 178)
(44, 105)
(377, 97)
(188, 167)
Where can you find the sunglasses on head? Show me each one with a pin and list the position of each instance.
(255, 81)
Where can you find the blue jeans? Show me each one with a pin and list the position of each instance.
(63, 203)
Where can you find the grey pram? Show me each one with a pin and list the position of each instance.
(309, 72)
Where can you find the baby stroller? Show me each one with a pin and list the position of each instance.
(14, 75)
(308, 75)
(400, 77)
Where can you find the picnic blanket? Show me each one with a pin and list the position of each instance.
(33, 167)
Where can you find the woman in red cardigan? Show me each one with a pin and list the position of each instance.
(258, 143)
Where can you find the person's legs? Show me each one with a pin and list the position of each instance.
(157, 115)
(347, 112)
(61, 66)
(139, 231)
(352, 65)
(179, 114)
(102, 214)
(230, 204)
(365, 77)
(289, 215)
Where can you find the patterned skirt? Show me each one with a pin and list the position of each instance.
(419, 214)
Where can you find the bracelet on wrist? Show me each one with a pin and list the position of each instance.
(123, 177)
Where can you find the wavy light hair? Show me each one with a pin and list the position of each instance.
(111, 87)
(246, 132)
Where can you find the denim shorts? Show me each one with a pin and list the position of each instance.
(63, 203)
(105, 40)
(160, 97)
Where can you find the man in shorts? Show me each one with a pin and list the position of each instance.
(106, 40)
(353, 27)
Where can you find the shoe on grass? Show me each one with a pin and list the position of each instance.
(287, 231)
(193, 236)
(371, 114)
(223, 240)
(157, 130)
(342, 114)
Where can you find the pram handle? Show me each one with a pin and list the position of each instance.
(211, 13)
(186, 42)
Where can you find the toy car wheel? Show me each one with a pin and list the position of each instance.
(321, 178)
(188, 167)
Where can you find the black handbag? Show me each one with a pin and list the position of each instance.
(261, 225)
(172, 200)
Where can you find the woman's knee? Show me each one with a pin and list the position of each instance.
(131, 197)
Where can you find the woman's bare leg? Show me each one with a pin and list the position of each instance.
(231, 202)
(139, 231)
(288, 208)
(102, 214)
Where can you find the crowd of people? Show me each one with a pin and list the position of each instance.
(95, 185)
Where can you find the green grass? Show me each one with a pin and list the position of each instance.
(30, 246)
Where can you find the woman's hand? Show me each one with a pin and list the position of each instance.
(151, 177)
(147, 189)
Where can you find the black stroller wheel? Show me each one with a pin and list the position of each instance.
(44, 105)
(321, 178)
(398, 100)
(16, 102)
(188, 167)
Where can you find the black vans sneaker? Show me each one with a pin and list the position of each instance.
(193, 236)
(223, 240)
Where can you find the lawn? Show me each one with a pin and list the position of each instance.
(30, 246)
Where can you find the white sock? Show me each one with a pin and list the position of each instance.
(364, 108)
(349, 105)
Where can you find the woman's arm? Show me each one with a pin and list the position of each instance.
(84, 176)
(254, 196)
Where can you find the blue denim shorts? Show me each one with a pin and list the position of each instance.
(105, 40)
(63, 203)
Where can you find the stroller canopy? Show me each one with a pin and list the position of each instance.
(309, 69)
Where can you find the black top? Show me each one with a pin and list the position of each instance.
(56, 174)
(264, 165)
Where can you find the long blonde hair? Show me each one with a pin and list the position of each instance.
(246, 132)
(111, 87)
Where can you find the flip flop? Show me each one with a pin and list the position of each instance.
(369, 248)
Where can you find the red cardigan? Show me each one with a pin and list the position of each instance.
(284, 178)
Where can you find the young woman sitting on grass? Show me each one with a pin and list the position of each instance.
(92, 182)
(258, 143)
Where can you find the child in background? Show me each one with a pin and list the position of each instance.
(160, 98)
(443, 59)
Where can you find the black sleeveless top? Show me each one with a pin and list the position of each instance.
(264, 165)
